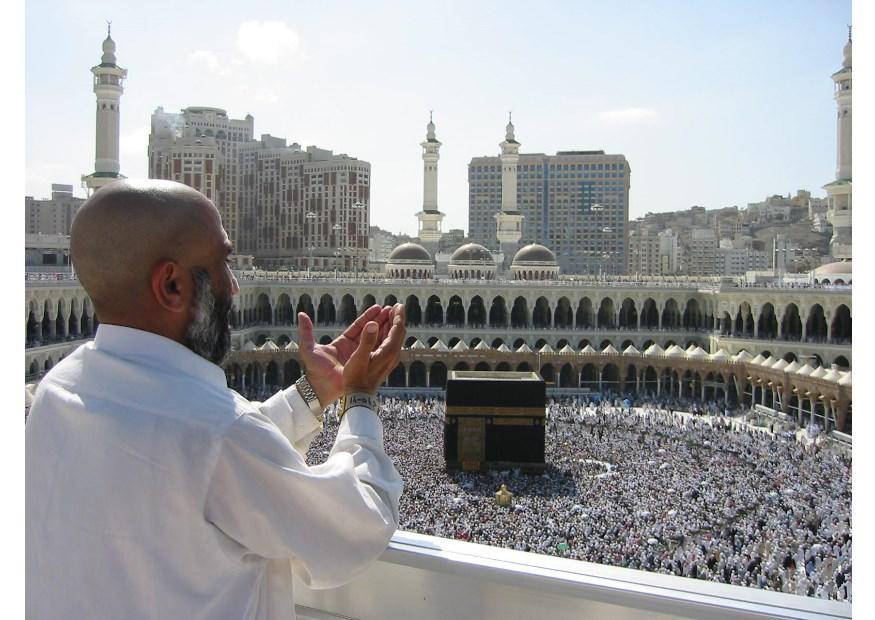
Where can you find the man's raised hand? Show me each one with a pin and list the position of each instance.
(324, 363)
(372, 361)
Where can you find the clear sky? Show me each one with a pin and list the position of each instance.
(713, 103)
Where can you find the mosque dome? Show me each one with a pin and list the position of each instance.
(410, 260)
(839, 272)
(471, 252)
(534, 253)
(410, 252)
(534, 262)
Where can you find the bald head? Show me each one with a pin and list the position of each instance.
(127, 228)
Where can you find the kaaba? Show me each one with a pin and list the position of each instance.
(494, 420)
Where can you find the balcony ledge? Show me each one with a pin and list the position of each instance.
(436, 578)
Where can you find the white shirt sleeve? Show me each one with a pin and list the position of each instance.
(290, 412)
(331, 520)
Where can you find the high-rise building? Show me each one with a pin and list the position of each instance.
(839, 191)
(52, 216)
(574, 202)
(108, 88)
(286, 206)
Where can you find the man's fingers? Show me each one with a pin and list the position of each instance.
(352, 332)
(306, 339)
(366, 345)
(392, 343)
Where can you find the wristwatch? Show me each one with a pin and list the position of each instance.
(357, 399)
(309, 395)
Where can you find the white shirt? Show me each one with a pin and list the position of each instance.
(154, 491)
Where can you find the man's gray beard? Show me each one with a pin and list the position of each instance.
(208, 334)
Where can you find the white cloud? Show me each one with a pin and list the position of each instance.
(267, 41)
(203, 59)
(628, 115)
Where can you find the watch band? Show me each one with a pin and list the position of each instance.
(357, 399)
(309, 395)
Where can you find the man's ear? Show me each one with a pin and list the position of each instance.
(169, 286)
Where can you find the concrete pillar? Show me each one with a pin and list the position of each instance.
(242, 379)
(600, 379)
(803, 318)
(703, 392)
(407, 376)
(828, 328)
(428, 376)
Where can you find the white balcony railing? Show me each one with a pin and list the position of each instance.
(429, 578)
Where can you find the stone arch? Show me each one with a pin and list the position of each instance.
(73, 322)
(671, 316)
(815, 326)
(477, 312)
(461, 366)
(434, 311)
(626, 344)
(584, 316)
(647, 344)
(540, 342)
(628, 314)
(283, 340)
(454, 341)
(497, 343)
(589, 377)
(791, 323)
(474, 342)
(524, 367)
(438, 375)
(606, 314)
(326, 339)
(412, 310)
(272, 374)
(455, 312)
(398, 376)
(503, 366)
(725, 324)
(563, 316)
(305, 305)
(583, 344)
(409, 342)
(541, 313)
(789, 357)
(767, 326)
(417, 375)
(631, 377)
(369, 300)
(263, 310)
(841, 324)
(348, 311)
(650, 380)
(744, 320)
(518, 343)
(693, 318)
(842, 362)
(432, 341)
(390, 300)
(611, 377)
(548, 374)
(519, 315)
(498, 312)
(567, 377)
(326, 314)
(482, 366)
(563, 342)
(284, 313)
(649, 314)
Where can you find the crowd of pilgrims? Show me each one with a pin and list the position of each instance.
(644, 485)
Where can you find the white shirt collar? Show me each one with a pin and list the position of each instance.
(156, 350)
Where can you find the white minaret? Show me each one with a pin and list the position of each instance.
(508, 221)
(839, 191)
(430, 218)
(108, 87)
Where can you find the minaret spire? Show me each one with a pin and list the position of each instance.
(508, 220)
(430, 218)
(839, 192)
(108, 88)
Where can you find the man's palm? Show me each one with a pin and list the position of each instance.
(324, 362)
